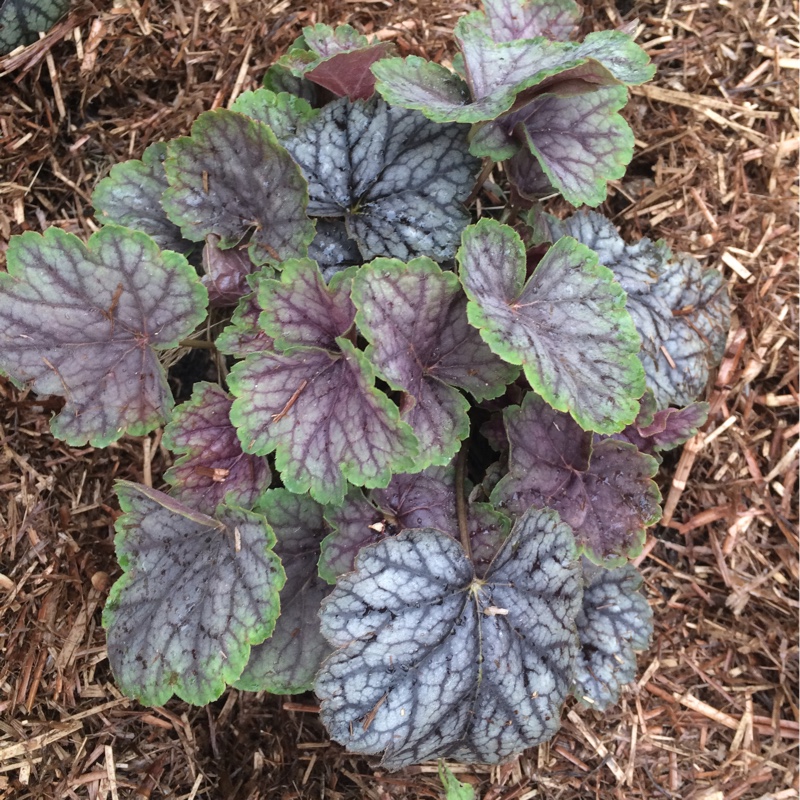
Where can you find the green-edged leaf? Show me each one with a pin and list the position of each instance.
(244, 335)
(615, 620)
(212, 467)
(415, 317)
(84, 321)
(232, 178)
(131, 196)
(280, 79)
(567, 325)
(603, 492)
(525, 19)
(681, 311)
(287, 662)
(195, 594)
(581, 141)
(322, 415)
(21, 20)
(283, 112)
(299, 309)
(398, 180)
(435, 662)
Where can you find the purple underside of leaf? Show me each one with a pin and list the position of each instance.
(581, 142)
(287, 662)
(84, 321)
(525, 19)
(567, 325)
(196, 593)
(415, 317)
(226, 273)
(349, 74)
(605, 493)
(668, 428)
(233, 179)
(322, 415)
(212, 465)
(397, 179)
(300, 309)
(131, 196)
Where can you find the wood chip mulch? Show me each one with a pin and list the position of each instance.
(714, 713)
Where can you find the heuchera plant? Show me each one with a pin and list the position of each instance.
(419, 487)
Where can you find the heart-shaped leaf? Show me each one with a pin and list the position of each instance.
(604, 492)
(287, 662)
(398, 180)
(84, 321)
(436, 662)
(131, 196)
(567, 325)
(196, 593)
(244, 335)
(283, 112)
(615, 620)
(233, 179)
(212, 467)
(415, 317)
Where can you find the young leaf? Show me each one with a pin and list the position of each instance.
(526, 176)
(283, 112)
(603, 492)
(397, 179)
(279, 79)
(232, 178)
(615, 620)
(454, 789)
(195, 594)
(84, 321)
(244, 335)
(434, 662)
(226, 273)
(415, 317)
(287, 662)
(322, 415)
(580, 141)
(665, 429)
(567, 325)
(681, 311)
(212, 467)
(338, 59)
(131, 196)
(526, 19)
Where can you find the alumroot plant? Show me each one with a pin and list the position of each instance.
(418, 490)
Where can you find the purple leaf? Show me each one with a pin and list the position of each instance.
(195, 594)
(212, 467)
(604, 493)
(131, 196)
(299, 309)
(287, 662)
(94, 340)
(244, 335)
(526, 19)
(233, 179)
(415, 317)
(322, 415)
(526, 176)
(226, 273)
(398, 180)
(567, 325)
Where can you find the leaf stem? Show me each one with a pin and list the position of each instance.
(482, 178)
(461, 500)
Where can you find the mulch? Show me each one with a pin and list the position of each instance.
(714, 712)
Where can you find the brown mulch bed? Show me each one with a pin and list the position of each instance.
(714, 713)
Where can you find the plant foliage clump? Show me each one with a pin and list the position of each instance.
(418, 489)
